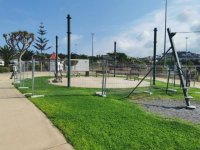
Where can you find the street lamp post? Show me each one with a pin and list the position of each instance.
(165, 31)
(75, 51)
(186, 47)
(186, 38)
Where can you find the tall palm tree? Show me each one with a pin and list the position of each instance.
(7, 54)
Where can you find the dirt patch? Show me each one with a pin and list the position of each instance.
(172, 108)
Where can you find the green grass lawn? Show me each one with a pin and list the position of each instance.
(91, 122)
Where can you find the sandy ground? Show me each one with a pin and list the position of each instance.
(96, 82)
(89, 82)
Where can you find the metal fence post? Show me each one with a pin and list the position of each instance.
(154, 56)
(69, 51)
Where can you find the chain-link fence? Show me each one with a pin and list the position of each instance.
(106, 77)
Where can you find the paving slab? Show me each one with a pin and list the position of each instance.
(22, 125)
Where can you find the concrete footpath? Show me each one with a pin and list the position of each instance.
(22, 125)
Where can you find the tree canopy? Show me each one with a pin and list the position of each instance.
(19, 41)
(41, 41)
(7, 54)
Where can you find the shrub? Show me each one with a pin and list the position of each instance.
(4, 69)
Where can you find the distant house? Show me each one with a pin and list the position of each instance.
(52, 62)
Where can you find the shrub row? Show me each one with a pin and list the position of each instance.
(4, 69)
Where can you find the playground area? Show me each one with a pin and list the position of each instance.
(119, 82)
(94, 81)
(112, 82)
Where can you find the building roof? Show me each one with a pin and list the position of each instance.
(53, 56)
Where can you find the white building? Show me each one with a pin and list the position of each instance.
(80, 65)
(52, 62)
(1, 62)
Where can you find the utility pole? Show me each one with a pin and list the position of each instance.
(186, 38)
(186, 47)
(69, 51)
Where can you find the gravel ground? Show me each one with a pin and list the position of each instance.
(172, 108)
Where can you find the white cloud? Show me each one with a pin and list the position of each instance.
(75, 38)
(182, 1)
(137, 39)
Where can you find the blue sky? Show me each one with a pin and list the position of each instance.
(129, 22)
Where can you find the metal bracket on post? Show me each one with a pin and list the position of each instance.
(180, 73)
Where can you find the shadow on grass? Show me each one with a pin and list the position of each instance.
(65, 95)
(71, 95)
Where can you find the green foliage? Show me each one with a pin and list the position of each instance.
(45, 66)
(4, 69)
(19, 41)
(91, 122)
(27, 55)
(136, 61)
(41, 44)
(41, 41)
(190, 63)
(7, 54)
(62, 56)
(120, 57)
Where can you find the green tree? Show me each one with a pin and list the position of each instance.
(121, 57)
(7, 54)
(27, 55)
(41, 42)
(62, 56)
(19, 41)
